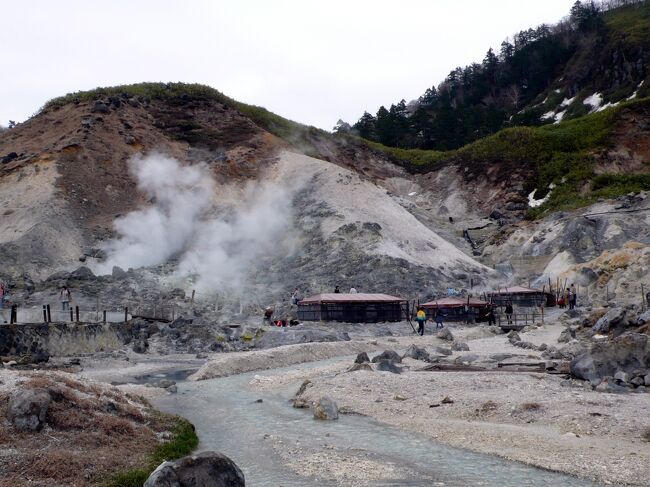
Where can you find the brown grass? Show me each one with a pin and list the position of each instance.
(531, 406)
(84, 441)
(645, 434)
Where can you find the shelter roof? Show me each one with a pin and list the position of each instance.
(351, 298)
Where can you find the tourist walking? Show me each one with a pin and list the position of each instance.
(295, 297)
(439, 319)
(574, 296)
(337, 290)
(421, 318)
(490, 316)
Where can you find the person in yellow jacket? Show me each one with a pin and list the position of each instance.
(421, 318)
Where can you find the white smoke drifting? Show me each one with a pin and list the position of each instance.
(182, 223)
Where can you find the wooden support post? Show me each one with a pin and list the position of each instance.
(643, 303)
(14, 314)
(49, 314)
(76, 311)
(44, 314)
(71, 316)
(104, 316)
(126, 314)
(193, 292)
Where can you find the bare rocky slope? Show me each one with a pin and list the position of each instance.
(356, 218)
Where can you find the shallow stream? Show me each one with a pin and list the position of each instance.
(229, 419)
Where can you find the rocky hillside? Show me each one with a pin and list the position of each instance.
(287, 206)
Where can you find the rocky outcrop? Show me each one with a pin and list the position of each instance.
(205, 468)
(362, 358)
(624, 358)
(388, 366)
(459, 346)
(613, 318)
(27, 409)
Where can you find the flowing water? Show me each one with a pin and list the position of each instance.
(229, 419)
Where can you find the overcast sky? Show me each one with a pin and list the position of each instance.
(311, 61)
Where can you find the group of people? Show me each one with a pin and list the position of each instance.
(568, 298)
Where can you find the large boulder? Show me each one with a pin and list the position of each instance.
(445, 334)
(205, 468)
(613, 318)
(625, 353)
(27, 409)
(459, 346)
(326, 409)
(416, 353)
(391, 355)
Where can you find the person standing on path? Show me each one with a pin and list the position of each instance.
(295, 297)
(509, 312)
(337, 290)
(65, 296)
(421, 318)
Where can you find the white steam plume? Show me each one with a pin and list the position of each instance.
(215, 253)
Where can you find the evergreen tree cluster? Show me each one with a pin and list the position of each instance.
(482, 98)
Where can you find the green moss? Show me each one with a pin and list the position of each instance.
(183, 441)
(247, 337)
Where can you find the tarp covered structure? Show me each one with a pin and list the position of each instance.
(456, 309)
(521, 296)
(352, 308)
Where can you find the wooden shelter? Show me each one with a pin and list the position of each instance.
(352, 308)
(521, 296)
(456, 309)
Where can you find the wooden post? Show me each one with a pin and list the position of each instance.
(607, 292)
(126, 314)
(542, 314)
(49, 314)
(14, 314)
(71, 316)
(44, 314)
(193, 291)
(76, 310)
(104, 316)
(642, 297)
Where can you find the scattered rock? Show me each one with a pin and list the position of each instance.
(467, 359)
(205, 468)
(613, 318)
(99, 107)
(459, 346)
(388, 366)
(172, 389)
(399, 397)
(391, 355)
(140, 346)
(415, 352)
(445, 334)
(326, 409)
(447, 400)
(27, 409)
(499, 357)
(8, 158)
(118, 273)
(362, 358)
(622, 376)
(566, 336)
(361, 366)
(442, 351)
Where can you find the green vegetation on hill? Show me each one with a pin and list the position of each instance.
(543, 71)
(560, 154)
(180, 93)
